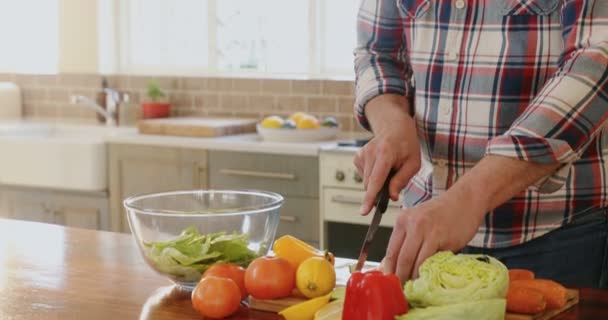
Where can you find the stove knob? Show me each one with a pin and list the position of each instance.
(340, 175)
(357, 178)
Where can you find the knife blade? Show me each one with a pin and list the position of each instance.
(381, 205)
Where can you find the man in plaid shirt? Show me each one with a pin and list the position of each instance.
(493, 114)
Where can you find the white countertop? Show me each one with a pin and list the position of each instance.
(242, 143)
(130, 135)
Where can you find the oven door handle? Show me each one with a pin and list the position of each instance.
(357, 201)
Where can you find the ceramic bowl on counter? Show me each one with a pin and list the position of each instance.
(305, 135)
(181, 234)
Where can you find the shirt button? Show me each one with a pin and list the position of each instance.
(452, 55)
(442, 163)
(445, 109)
(460, 4)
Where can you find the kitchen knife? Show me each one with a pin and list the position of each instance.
(381, 205)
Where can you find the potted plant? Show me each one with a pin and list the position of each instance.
(156, 106)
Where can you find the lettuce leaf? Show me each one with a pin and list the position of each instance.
(447, 279)
(190, 254)
(490, 309)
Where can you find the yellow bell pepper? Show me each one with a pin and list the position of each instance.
(295, 251)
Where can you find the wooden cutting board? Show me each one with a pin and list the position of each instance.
(280, 304)
(197, 127)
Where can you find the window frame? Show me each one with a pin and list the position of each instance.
(317, 68)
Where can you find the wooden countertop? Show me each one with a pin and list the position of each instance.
(52, 272)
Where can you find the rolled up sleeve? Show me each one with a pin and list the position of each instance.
(381, 64)
(572, 107)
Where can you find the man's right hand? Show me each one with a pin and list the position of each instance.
(394, 146)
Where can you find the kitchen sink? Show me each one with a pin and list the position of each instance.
(68, 157)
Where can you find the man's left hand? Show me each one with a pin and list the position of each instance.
(447, 222)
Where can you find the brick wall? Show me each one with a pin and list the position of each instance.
(46, 97)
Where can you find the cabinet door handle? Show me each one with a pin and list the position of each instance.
(347, 200)
(358, 201)
(258, 174)
(289, 218)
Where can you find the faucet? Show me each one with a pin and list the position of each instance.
(112, 101)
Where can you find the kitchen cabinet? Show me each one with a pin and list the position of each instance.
(294, 177)
(69, 208)
(139, 169)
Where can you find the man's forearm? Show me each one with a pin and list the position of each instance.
(387, 110)
(495, 180)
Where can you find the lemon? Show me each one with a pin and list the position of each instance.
(273, 122)
(297, 116)
(305, 310)
(315, 277)
(308, 122)
(331, 311)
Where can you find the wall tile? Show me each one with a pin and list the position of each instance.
(206, 100)
(337, 87)
(46, 110)
(321, 104)
(291, 103)
(34, 94)
(219, 85)
(58, 95)
(79, 81)
(262, 102)
(24, 80)
(28, 110)
(46, 80)
(276, 86)
(346, 122)
(306, 87)
(7, 77)
(346, 105)
(247, 114)
(233, 102)
(193, 84)
(218, 113)
(181, 99)
(247, 85)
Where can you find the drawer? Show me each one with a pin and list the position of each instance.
(342, 205)
(300, 218)
(287, 175)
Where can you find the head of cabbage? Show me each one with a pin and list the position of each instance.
(446, 278)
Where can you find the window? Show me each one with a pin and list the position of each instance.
(250, 36)
(29, 31)
(309, 38)
(338, 35)
(165, 34)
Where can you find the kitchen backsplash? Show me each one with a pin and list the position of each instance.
(46, 97)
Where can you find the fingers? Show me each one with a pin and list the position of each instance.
(401, 178)
(389, 263)
(376, 181)
(409, 253)
(358, 162)
(429, 247)
(368, 166)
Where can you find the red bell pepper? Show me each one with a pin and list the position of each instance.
(373, 296)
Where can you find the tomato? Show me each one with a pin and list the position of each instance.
(230, 271)
(270, 278)
(216, 297)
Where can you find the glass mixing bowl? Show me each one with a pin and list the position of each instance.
(180, 234)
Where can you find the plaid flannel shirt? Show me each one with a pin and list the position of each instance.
(526, 79)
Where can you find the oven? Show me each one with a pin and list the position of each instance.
(341, 193)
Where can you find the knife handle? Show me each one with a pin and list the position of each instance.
(384, 196)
